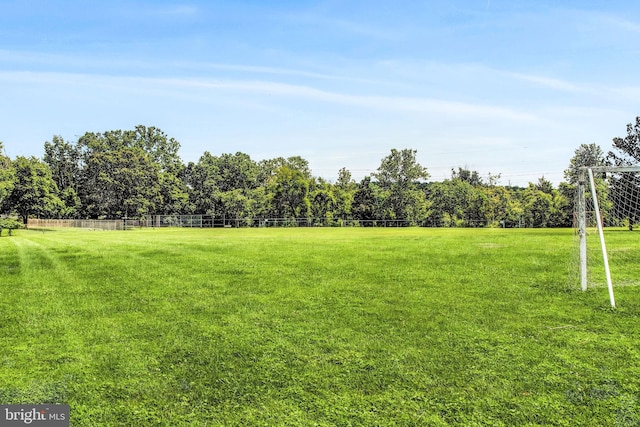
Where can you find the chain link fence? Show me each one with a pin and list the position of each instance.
(208, 221)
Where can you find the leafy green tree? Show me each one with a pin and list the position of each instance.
(236, 172)
(584, 155)
(174, 195)
(398, 177)
(201, 180)
(364, 202)
(537, 207)
(10, 224)
(236, 178)
(344, 191)
(7, 176)
(503, 207)
(323, 201)
(161, 149)
(269, 168)
(563, 206)
(63, 159)
(466, 175)
(626, 152)
(34, 192)
(133, 173)
(457, 203)
(237, 205)
(224, 186)
(289, 194)
(544, 185)
(120, 183)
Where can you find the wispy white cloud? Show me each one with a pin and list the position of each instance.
(547, 82)
(32, 60)
(421, 105)
(389, 103)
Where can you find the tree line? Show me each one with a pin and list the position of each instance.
(132, 173)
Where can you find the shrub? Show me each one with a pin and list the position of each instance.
(10, 224)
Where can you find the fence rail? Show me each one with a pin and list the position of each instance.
(208, 221)
(97, 224)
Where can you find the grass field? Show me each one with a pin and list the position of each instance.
(317, 327)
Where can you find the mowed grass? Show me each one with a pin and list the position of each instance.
(317, 327)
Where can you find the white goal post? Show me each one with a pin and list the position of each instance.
(629, 208)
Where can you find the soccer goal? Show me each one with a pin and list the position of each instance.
(608, 199)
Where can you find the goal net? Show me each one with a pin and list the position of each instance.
(608, 212)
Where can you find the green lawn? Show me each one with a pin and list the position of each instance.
(318, 327)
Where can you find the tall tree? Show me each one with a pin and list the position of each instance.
(289, 194)
(323, 200)
(223, 185)
(344, 190)
(7, 176)
(537, 207)
(364, 202)
(626, 152)
(235, 172)
(201, 180)
(398, 176)
(63, 159)
(119, 183)
(584, 155)
(503, 207)
(467, 175)
(457, 203)
(133, 172)
(34, 192)
(269, 168)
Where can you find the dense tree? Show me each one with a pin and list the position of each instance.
(201, 180)
(344, 191)
(536, 207)
(174, 194)
(457, 203)
(269, 168)
(626, 152)
(466, 175)
(398, 176)
(584, 155)
(289, 194)
(63, 159)
(563, 205)
(503, 207)
(224, 186)
(34, 191)
(235, 172)
(544, 185)
(120, 183)
(7, 176)
(323, 201)
(137, 172)
(364, 202)
(544, 206)
(130, 173)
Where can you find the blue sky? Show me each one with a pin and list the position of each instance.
(502, 87)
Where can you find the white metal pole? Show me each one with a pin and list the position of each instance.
(582, 230)
(605, 258)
